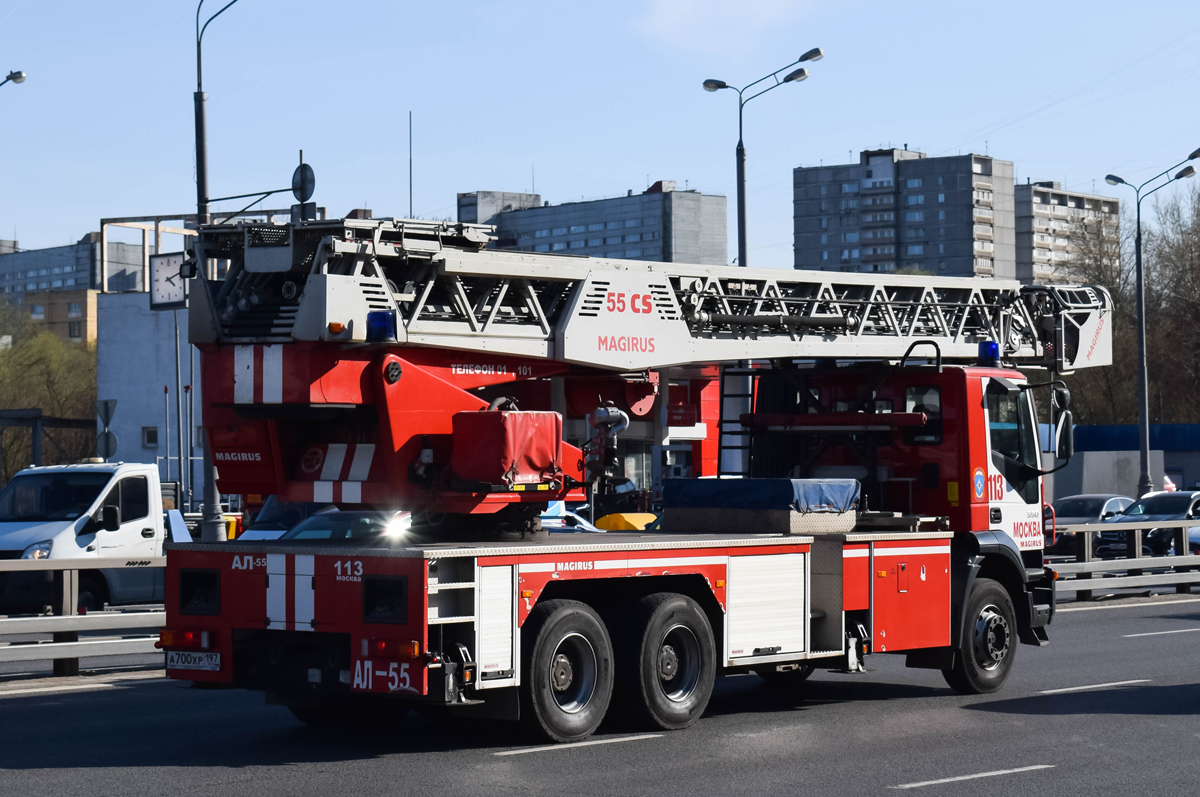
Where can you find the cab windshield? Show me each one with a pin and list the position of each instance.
(50, 496)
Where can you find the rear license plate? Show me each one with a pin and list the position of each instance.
(187, 660)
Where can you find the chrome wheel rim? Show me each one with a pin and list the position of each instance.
(573, 673)
(677, 663)
(992, 638)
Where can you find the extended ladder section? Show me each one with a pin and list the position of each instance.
(338, 280)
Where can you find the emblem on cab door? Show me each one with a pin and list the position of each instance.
(979, 482)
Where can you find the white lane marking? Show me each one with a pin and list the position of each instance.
(273, 374)
(551, 747)
(335, 455)
(973, 777)
(48, 689)
(243, 374)
(1160, 633)
(1127, 605)
(1093, 686)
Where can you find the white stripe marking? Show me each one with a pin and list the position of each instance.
(973, 777)
(1092, 686)
(305, 603)
(273, 374)
(277, 591)
(551, 747)
(352, 492)
(360, 466)
(862, 553)
(334, 457)
(855, 553)
(1127, 605)
(323, 492)
(621, 564)
(243, 374)
(537, 567)
(1160, 633)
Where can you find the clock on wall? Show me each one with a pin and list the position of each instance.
(168, 288)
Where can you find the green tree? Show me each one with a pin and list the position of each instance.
(39, 370)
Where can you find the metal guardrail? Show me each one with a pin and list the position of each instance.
(1090, 573)
(65, 648)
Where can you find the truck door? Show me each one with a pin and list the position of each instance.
(1013, 483)
(135, 539)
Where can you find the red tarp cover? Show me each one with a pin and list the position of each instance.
(498, 447)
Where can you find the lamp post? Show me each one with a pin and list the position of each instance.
(1145, 484)
(212, 529)
(16, 76)
(795, 76)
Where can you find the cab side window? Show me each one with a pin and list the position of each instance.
(925, 399)
(135, 498)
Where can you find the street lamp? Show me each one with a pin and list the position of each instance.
(1145, 484)
(16, 76)
(795, 76)
(212, 528)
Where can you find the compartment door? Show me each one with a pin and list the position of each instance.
(496, 634)
(767, 607)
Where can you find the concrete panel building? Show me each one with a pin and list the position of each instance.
(70, 314)
(135, 364)
(68, 268)
(1050, 224)
(897, 209)
(661, 223)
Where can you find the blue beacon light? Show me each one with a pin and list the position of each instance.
(381, 326)
(989, 353)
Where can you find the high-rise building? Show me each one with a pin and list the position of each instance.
(68, 268)
(898, 210)
(661, 223)
(1055, 226)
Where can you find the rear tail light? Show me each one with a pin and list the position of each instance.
(391, 649)
(198, 640)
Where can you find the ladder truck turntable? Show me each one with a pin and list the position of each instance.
(367, 362)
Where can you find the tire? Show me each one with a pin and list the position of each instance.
(666, 662)
(786, 678)
(93, 594)
(566, 670)
(989, 641)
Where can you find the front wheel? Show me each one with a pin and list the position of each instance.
(567, 677)
(988, 641)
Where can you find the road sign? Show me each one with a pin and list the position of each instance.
(105, 409)
(304, 182)
(106, 445)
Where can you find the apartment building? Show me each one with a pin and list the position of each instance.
(1052, 225)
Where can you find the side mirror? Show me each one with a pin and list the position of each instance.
(110, 518)
(1107, 515)
(187, 269)
(1064, 436)
(1061, 398)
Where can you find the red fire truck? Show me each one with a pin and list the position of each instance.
(864, 460)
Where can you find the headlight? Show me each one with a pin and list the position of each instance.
(39, 550)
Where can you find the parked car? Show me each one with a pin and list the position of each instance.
(277, 516)
(1174, 505)
(360, 526)
(1079, 509)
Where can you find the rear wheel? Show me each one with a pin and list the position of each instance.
(989, 641)
(667, 661)
(567, 673)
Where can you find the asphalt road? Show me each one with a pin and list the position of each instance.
(893, 727)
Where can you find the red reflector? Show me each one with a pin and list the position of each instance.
(393, 649)
(168, 638)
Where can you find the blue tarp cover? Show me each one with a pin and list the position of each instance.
(803, 495)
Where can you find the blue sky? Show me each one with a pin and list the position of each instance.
(588, 100)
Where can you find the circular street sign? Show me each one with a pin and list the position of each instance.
(304, 181)
(106, 445)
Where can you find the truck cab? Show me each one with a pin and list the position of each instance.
(79, 512)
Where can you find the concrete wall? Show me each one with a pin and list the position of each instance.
(1102, 472)
(135, 360)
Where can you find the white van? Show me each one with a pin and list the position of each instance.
(79, 512)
